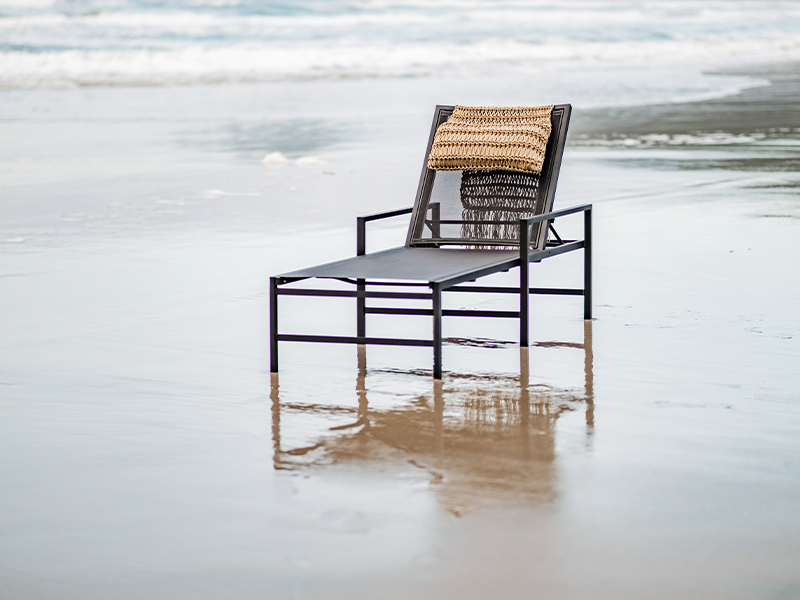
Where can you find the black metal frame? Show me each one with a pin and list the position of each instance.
(361, 293)
(365, 289)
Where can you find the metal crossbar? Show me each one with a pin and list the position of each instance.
(555, 233)
(353, 294)
(338, 339)
(446, 312)
(515, 290)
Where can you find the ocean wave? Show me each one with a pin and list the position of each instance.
(267, 62)
(655, 140)
(653, 18)
(29, 4)
(58, 43)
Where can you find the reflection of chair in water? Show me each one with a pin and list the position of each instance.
(480, 433)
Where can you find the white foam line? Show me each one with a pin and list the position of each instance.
(568, 16)
(259, 62)
(652, 140)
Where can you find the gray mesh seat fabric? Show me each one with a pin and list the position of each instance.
(464, 225)
(411, 264)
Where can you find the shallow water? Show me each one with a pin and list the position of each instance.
(653, 452)
(145, 450)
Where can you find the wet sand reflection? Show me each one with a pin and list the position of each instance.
(475, 435)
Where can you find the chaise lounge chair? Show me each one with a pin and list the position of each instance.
(465, 224)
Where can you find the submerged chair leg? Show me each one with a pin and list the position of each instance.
(587, 264)
(273, 324)
(437, 331)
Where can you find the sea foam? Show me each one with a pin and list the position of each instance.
(218, 41)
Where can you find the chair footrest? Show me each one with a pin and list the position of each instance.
(514, 290)
(502, 314)
(338, 339)
(353, 294)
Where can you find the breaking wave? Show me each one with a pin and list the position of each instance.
(50, 43)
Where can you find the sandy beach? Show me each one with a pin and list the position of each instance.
(145, 450)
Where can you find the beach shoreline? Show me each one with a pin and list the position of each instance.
(772, 110)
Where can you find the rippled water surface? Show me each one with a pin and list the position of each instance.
(160, 160)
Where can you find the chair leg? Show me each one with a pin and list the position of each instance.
(273, 324)
(437, 331)
(524, 305)
(361, 314)
(524, 284)
(587, 264)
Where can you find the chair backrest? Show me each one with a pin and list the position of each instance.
(483, 208)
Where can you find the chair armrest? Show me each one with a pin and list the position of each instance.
(557, 213)
(386, 215)
(361, 226)
(525, 226)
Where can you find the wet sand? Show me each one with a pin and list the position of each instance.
(650, 453)
(773, 110)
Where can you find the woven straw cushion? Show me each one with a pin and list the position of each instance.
(487, 138)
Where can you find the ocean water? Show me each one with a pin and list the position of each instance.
(56, 43)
